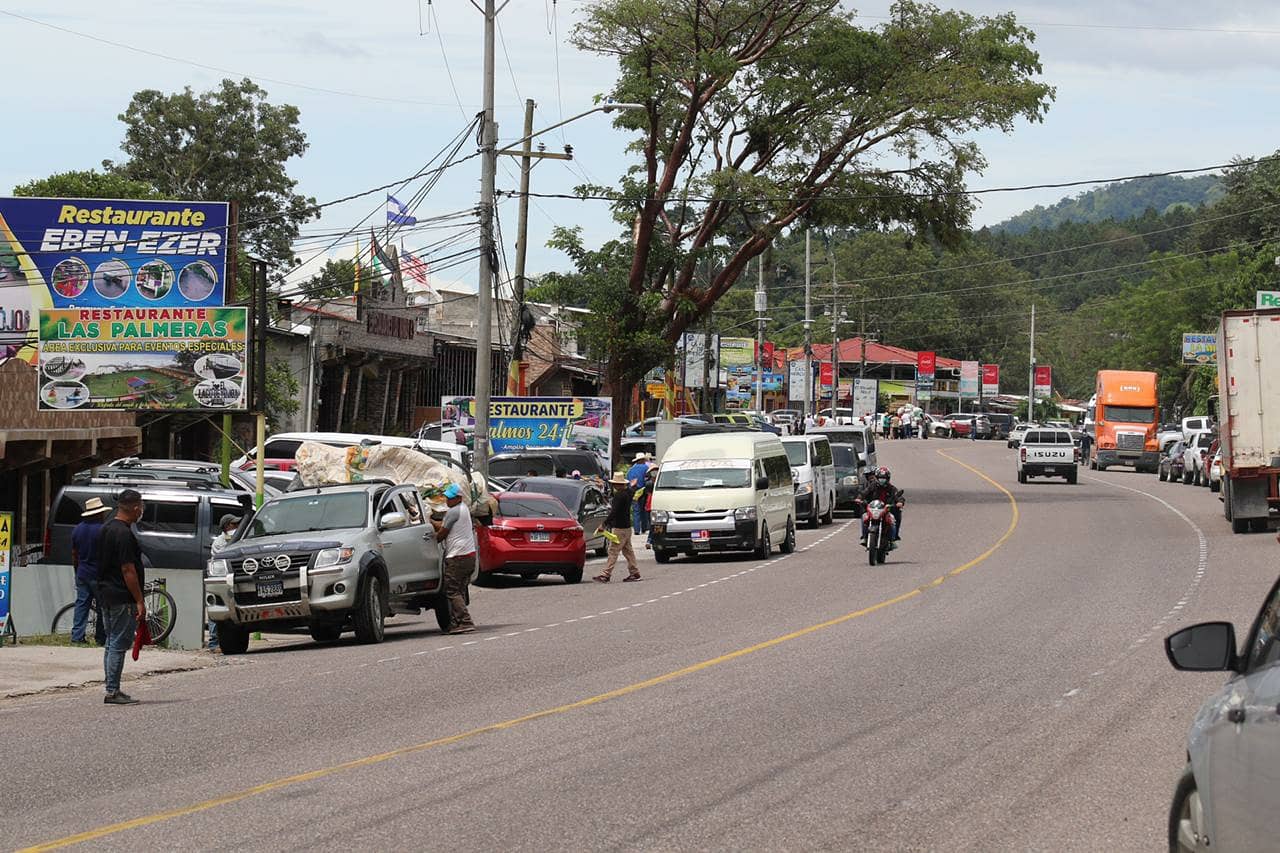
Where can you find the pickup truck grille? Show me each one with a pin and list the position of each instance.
(1130, 440)
(271, 563)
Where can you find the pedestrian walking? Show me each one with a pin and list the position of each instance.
(227, 527)
(84, 556)
(618, 521)
(646, 502)
(895, 427)
(635, 479)
(121, 577)
(458, 535)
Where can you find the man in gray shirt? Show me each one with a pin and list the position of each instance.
(458, 537)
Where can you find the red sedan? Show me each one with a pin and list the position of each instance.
(531, 534)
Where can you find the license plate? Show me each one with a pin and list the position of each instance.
(540, 537)
(271, 589)
(701, 545)
(1049, 470)
(701, 535)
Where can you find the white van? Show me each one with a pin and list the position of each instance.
(861, 436)
(814, 472)
(724, 492)
(279, 449)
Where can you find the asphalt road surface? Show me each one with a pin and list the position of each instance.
(1000, 684)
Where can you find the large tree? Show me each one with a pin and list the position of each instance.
(87, 183)
(766, 114)
(229, 144)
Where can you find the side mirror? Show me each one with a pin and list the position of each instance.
(391, 521)
(1207, 647)
(862, 463)
(762, 483)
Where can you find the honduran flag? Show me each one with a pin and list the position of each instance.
(397, 213)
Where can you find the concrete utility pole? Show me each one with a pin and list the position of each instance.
(835, 339)
(488, 249)
(762, 304)
(522, 239)
(1031, 380)
(808, 327)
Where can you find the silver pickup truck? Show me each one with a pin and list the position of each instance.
(1047, 452)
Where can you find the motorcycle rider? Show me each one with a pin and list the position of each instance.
(881, 489)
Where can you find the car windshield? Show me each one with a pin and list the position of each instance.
(308, 513)
(1130, 414)
(564, 491)
(521, 506)
(706, 474)
(797, 452)
(844, 456)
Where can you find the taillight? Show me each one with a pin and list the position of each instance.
(1023, 452)
(1077, 455)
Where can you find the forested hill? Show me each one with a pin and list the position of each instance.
(1119, 202)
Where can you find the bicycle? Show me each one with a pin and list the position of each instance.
(162, 614)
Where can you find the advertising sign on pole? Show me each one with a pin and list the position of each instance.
(693, 345)
(990, 380)
(518, 424)
(1044, 381)
(865, 394)
(795, 380)
(926, 365)
(6, 551)
(738, 360)
(1199, 348)
(87, 253)
(968, 379)
(1267, 299)
(166, 359)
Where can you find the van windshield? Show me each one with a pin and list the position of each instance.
(845, 456)
(705, 474)
(844, 436)
(1130, 414)
(309, 513)
(796, 452)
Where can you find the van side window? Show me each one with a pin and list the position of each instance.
(778, 470)
(871, 441)
(822, 452)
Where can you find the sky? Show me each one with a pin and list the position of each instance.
(385, 84)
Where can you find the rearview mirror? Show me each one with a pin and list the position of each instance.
(392, 520)
(862, 463)
(762, 483)
(1207, 647)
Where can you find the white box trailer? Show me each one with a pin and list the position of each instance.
(1249, 391)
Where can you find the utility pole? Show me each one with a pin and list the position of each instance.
(705, 404)
(808, 328)
(522, 238)
(488, 249)
(835, 339)
(762, 303)
(1031, 379)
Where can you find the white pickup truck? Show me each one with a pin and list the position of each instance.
(1048, 452)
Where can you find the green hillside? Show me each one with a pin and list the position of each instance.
(1119, 202)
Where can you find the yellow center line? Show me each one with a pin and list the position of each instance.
(369, 760)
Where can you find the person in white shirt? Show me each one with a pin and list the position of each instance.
(458, 536)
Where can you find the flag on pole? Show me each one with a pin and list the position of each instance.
(357, 262)
(415, 267)
(397, 213)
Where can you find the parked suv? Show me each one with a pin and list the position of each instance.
(547, 462)
(332, 558)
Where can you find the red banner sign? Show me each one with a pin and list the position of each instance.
(990, 379)
(824, 373)
(1044, 380)
(926, 363)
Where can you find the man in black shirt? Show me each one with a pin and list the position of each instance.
(120, 580)
(619, 522)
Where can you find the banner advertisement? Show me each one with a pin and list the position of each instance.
(518, 424)
(6, 552)
(737, 354)
(865, 394)
(926, 365)
(969, 378)
(990, 380)
(87, 253)
(1199, 348)
(796, 380)
(1044, 381)
(1267, 299)
(165, 359)
(693, 346)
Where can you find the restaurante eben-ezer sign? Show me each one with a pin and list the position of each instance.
(389, 325)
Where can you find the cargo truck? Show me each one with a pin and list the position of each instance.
(1125, 414)
(1249, 422)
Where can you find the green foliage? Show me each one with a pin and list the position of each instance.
(1121, 201)
(283, 389)
(336, 278)
(88, 183)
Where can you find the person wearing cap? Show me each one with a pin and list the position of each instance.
(121, 577)
(227, 527)
(635, 479)
(84, 556)
(458, 536)
(618, 520)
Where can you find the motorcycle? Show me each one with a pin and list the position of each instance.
(877, 517)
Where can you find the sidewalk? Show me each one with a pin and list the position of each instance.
(34, 669)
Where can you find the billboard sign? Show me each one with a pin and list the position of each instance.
(1044, 381)
(693, 346)
(969, 378)
(865, 394)
(1267, 299)
(518, 424)
(926, 365)
(166, 359)
(796, 380)
(990, 380)
(1199, 348)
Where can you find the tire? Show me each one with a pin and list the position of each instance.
(65, 620)
(444, 612)
(1022, 477)
(1226, 500)
(369, 615)
(1186, 817)
(572, 576)
(162, 614)
(814, 520)
(1240, 525)
(1073, 477)
(233, 639)
(1215, 487)
(765, 548)
(830, 517)
(529, 576)
(1186, 477)
(1259, 525)
(871, 555)
(325, 632)
(661, 557)
(1163, 475)
(789, 542)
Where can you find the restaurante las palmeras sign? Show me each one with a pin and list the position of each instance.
(389, 325)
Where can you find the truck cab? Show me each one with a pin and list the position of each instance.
(1125, 418)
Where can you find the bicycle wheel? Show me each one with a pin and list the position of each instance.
(65, 621)
(162, 613)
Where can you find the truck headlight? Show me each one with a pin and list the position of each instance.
(804, 489)
(660, 516)
(217, 569)
(849, 481)
(330, 557)
(745, 513)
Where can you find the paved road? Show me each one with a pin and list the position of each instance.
(1000, 684)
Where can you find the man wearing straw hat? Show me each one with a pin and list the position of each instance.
(618, 531)
(84, 556)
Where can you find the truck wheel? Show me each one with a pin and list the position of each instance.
(831, 511)
(1215, 487)
(1226, 500)
(1163, 475)
(444, 613)
(789, 543)
(572, 576)
(369, 618)
(1186, 477)
(325, 632)
(661, 556)
(1238, 525)
(1022, 477)
(233, 639)
(1072, 477)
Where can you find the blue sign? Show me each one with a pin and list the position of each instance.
(6, 550)
(518, 424)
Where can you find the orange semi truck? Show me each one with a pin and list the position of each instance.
(1126, 418)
